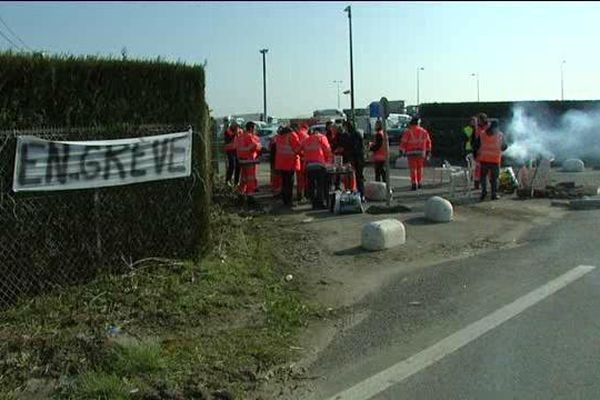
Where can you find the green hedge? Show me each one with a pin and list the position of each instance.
(88, 91)
(51, 238)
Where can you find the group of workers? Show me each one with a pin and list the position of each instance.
(294, 152)
(484, 144)
(298, 152)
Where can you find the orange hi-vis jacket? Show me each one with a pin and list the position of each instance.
(302, 134)
(247, 146)
(316, 150)
(380, 154)
(415, 142)
(490, 150)
(286, 152)
(481, 129)
(229, 136)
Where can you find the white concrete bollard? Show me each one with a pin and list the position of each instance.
(375, 191)
(438, 209)
(401, 163)
(573, 165)
(383, 234)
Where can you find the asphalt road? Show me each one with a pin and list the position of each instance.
(522, 323)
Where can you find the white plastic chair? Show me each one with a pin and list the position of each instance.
(459, 177)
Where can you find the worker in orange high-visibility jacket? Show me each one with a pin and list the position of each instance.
(317, 155)
(229, 136)
(248, 148)
(482, 126)
(275, 177)
(287, 161)
(302, 132)
(488, 147)
(416, 145)
(379, 153)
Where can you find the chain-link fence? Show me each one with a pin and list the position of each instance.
(54, 239)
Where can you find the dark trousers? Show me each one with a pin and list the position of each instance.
(287, 186)
(233, 166)
(379, 171)
(494, 170)
(317, 185)
(360, 178)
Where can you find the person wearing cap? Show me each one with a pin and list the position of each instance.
(229, 136)
(488, 147)
(416, 145)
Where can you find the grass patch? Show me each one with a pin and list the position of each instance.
(101, 386)
(166, 327)
(134, 357)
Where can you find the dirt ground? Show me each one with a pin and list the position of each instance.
(334, 271)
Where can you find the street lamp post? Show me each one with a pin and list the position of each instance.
(338, 92)
(349, 11)
(477, 77)
(264, 57)
(418, 70)
(562, 81)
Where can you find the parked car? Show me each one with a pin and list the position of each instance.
(266, 134)
(394, 135)
(317, 127)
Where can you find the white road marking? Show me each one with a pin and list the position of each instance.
(404, 369)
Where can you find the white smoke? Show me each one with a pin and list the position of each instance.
(535, 131)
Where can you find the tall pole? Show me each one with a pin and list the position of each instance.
(349, 11)
(418, 70)
(338, 93)
(476, 75)
(562, 81)
(264, 57)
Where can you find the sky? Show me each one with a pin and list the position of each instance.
(516, 48)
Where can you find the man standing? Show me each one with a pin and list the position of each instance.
(488, 147)
(331, 134)
(416, 145)
(275, 177)
(358, 157)
(469, 138)
(469, 131)
(302, 132)
(317, 154)
(287, 147)
(248, 148)
(379, 154)
(230, 134)
(482, 126)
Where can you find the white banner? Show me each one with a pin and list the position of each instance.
(42, 165)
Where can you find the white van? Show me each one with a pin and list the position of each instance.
(328, 115)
